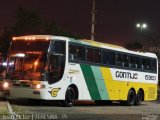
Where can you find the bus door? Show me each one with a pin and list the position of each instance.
(56, 61)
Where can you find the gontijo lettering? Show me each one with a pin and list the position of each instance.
(129, 75)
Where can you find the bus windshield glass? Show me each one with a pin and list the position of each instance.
(27, 60)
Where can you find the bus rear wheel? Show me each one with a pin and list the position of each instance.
(139, 98)
(131, 98)
(69, 97)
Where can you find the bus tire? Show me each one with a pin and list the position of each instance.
(69, 97)
(139, 98)
(131, 98)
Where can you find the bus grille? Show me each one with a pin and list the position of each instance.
(21, 85)
(16, 85)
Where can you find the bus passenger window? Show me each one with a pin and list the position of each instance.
(132, 62)
(138, 64)
(119, 60)
(144, 64)
(97, 56)
(126, 60)
(89, 55)
(76, 53)
(80, 53)
(149, 64)
(105, 57)
(72, 52)
(112, 58)
(154, 65)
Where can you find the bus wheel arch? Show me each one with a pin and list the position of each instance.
(75, 89)
(70, 96)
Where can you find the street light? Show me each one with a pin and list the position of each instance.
(141, 26)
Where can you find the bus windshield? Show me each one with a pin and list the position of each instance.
(27, 60)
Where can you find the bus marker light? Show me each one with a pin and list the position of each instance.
(33, 38)
(26, 38)
(36, 63)
(14, 38)
(47, 38)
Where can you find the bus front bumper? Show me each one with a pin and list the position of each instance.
(28, 93)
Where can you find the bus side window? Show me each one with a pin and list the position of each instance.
(144, 64)
(89, 54)
(132, 62)
(76, 53)
(138, 64)
(105, 58)
(72, 52)
(80, 53)
(97, 56)
(149, 63)
(126, 60)
(112, 58)
(154, 65)
(119, 60)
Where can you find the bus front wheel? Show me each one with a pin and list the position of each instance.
(69, 97)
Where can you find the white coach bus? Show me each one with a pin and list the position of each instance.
(45, 67)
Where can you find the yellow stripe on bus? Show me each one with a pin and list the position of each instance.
(111, 85)
(118, 90)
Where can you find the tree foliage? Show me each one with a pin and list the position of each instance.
(5, 39)
(52, 29)
(27, 22)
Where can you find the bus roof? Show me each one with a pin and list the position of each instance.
(84, 42)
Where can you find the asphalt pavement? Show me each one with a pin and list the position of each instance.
(86, 110)
(3, 107)
(82, 110)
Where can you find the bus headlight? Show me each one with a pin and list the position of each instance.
(38, 86)
(5, 85)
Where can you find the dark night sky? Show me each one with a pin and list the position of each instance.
(116, 19)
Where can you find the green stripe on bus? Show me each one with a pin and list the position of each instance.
(90, 81)
(100, 82)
